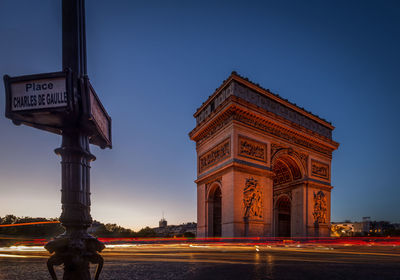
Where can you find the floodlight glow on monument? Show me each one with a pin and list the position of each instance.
(263, 165)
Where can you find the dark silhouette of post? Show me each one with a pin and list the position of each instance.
(75, 248)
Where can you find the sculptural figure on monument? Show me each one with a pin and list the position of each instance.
(320, 208)
(252, 199)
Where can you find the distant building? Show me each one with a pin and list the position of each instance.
(162, 223)
(363, 227)
(172, 230)
(366, 224)
(94, 227)
(366, 227)
(342, 229)
(379, 227)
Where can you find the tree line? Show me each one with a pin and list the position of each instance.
(98, 229)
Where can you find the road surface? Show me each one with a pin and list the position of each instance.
(207, 262)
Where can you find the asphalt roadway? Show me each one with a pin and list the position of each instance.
(203, 262)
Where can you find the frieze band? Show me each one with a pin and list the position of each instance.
(266, 103)
(319, 169)
(252, 149)
(220, 122)
(280, 110)
(279, 133)
(215, 155)
(234, 114)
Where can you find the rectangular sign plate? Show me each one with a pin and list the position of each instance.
(39, 94)
(43, 101)
(99, 115)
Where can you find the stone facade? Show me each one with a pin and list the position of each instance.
(263, 165)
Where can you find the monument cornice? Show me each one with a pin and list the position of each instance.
(215, 117)
(303, 181)
(237, 111)
(318, 184)
(236, 164)
(266, 92)
(285, 123)
(283, 133)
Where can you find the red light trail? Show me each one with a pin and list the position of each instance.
(30, 224)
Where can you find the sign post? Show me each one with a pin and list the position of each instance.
(66, 103)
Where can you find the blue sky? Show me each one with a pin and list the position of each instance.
(154, 62)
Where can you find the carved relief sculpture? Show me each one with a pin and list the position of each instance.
(320, 169)
(215, 155)
(252, 199)
(274, 149)
(320, 208)
(252, 149)
(303, 158)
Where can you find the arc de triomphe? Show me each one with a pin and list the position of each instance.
(264, 165)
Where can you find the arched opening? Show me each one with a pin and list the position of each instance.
(283, 217)
(217, 221)
(287, 172)
(215, 212)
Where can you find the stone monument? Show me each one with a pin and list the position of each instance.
(263, 165)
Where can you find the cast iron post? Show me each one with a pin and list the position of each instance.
(75, 248)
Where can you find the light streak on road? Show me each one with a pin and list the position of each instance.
(234, 254)
(117, 246)
(23, 249)
(30, 224)
(12, 256)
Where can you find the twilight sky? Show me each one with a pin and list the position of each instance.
(154, 62)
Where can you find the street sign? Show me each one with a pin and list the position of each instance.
(98, 121)
(39, 94)
(42, 100)
(65, 103)
(99, 115)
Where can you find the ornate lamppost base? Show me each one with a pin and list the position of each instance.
(75, 249)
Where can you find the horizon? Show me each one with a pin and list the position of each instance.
(153, 64)
(189, 222)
